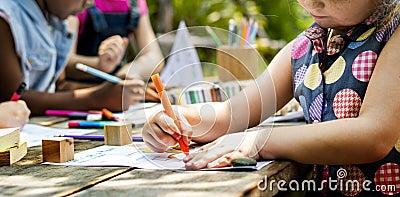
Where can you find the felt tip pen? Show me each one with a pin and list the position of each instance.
(17, 94)
(168, 109)
(88, 124)
(98, 137)
(98, 73)
(108, 114)
(75, 114)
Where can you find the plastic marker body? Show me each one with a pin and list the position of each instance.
(17, 94)
(74, 114)
(168, 108)
(98, 73)
(98, 137)
(109, 115)
(88, 124)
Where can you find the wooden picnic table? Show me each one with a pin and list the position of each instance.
(29, 177)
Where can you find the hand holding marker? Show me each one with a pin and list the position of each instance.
(168, 109)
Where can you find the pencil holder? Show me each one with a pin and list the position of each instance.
(237, 63)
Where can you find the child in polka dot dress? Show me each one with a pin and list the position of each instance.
(344, 71)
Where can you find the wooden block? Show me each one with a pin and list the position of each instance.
(13, 154)
(118, 134)
(58, 149)
(9, 138)
(239, 63)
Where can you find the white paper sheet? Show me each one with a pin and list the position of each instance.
(138, 155)
(33, 134)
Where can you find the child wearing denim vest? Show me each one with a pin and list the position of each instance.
(348, 94)
(102, 39)
(36, 45)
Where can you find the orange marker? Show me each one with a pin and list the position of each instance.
(168, 108)
(109, 115)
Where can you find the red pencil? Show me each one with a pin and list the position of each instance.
(168, 108)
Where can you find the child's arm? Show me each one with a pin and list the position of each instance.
(364, 139)
(150, 59)
(110, 53)
(105, 95)
(212, 120)
(367, 138)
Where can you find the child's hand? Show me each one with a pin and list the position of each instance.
(151, 93)
(160, 131)
(118, 97)
(14, 114)
(111, 52)
(223, 150)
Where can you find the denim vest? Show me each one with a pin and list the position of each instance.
(100, 25)
(42, 47)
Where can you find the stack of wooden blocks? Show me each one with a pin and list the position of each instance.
(11, 149)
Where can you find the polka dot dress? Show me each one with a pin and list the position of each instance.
(330, 79)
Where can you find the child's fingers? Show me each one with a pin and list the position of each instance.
(167, 124)
(152, 143)
(125, 41)
(151, 95)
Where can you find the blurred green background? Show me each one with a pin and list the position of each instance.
(280, 20)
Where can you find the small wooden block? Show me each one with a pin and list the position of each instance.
(13, 154)
(58, 149)
(117, 134)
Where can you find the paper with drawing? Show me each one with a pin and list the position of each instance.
(136, 155)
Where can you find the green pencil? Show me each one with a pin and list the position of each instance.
(214, 36)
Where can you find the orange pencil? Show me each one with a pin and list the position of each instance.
(108, 114)
(168, 108)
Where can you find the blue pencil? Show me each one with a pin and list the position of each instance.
(98, 73)
(232, 31)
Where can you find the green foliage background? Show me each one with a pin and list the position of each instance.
(280, 20)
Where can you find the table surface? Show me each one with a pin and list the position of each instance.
(28, 177)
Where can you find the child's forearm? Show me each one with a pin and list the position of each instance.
(341, 141)
(38, 102)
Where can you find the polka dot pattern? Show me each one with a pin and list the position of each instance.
(316, 109)
(355, 45)
(397, 146)
(366, 34)
(300, 47)
(346, 104)
(387, 176)
(351, 176)
(335, 71)
(363, 65)
(299, 76)
(313, 77)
